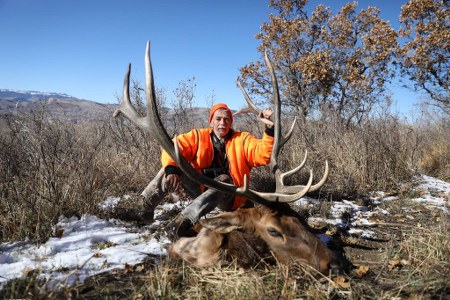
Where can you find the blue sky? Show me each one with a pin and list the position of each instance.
(83, 47)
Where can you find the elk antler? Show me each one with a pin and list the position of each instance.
(279, 139)
(152, 123)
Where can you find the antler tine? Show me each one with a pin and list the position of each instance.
(251, 106)
(287, 137)
(278, 138)
(126, 107)
(276, 99)
(282, 196)
(153, 118)
(277, 197)
(296, 188)
(296, 169)
(322, 181)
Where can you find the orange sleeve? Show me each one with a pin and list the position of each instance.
(258, 151)
(187, 143)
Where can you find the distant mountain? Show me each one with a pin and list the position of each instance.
(68, 108)
(30, 95)
(58, 105)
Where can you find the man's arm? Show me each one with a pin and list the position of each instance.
(188, 147)
(258, 151)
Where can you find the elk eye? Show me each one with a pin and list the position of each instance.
(273, 232)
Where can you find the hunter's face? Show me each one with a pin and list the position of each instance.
(221, 123)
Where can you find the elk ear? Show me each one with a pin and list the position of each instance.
(222, 223)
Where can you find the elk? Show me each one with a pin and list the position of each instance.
(255, 235)
(269, 227)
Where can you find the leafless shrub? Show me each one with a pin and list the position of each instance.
(433, 156)
(52, 167)
(377, 154)
(49, 168)
(371, 155)
(133, 158)
(182, 106)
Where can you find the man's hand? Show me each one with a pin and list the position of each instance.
(265, 117)
(172, 183)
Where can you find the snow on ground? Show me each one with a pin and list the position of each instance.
(85, 247)
(90, 245)
(433, 193)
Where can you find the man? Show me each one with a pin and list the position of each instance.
(218, 152)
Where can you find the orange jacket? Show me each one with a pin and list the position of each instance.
(244, 151)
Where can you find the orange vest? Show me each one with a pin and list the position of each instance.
(244, 151)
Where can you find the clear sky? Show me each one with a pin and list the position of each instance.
(82, 48)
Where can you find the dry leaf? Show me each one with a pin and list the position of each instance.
(397, 263)
(414, 297)
(342, 281)
(138, 296)
(394, 263)
(128, 268)
(140, 268)
(405, 262)
(361, 270)
(59, 232)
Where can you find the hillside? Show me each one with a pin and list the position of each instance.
(72, 109)
(58, 105)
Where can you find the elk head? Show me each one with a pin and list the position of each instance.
(252, 235)
(273, 222)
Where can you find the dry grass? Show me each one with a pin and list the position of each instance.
(175, 280)
(53, 167)
(435, 158)
(50, 168)
(407, 262)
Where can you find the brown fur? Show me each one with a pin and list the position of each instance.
(250, 235)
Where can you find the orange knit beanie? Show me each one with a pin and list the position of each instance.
(220, 106)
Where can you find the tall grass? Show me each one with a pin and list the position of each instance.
(51, 167)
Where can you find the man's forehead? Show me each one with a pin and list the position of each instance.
(221, 112)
